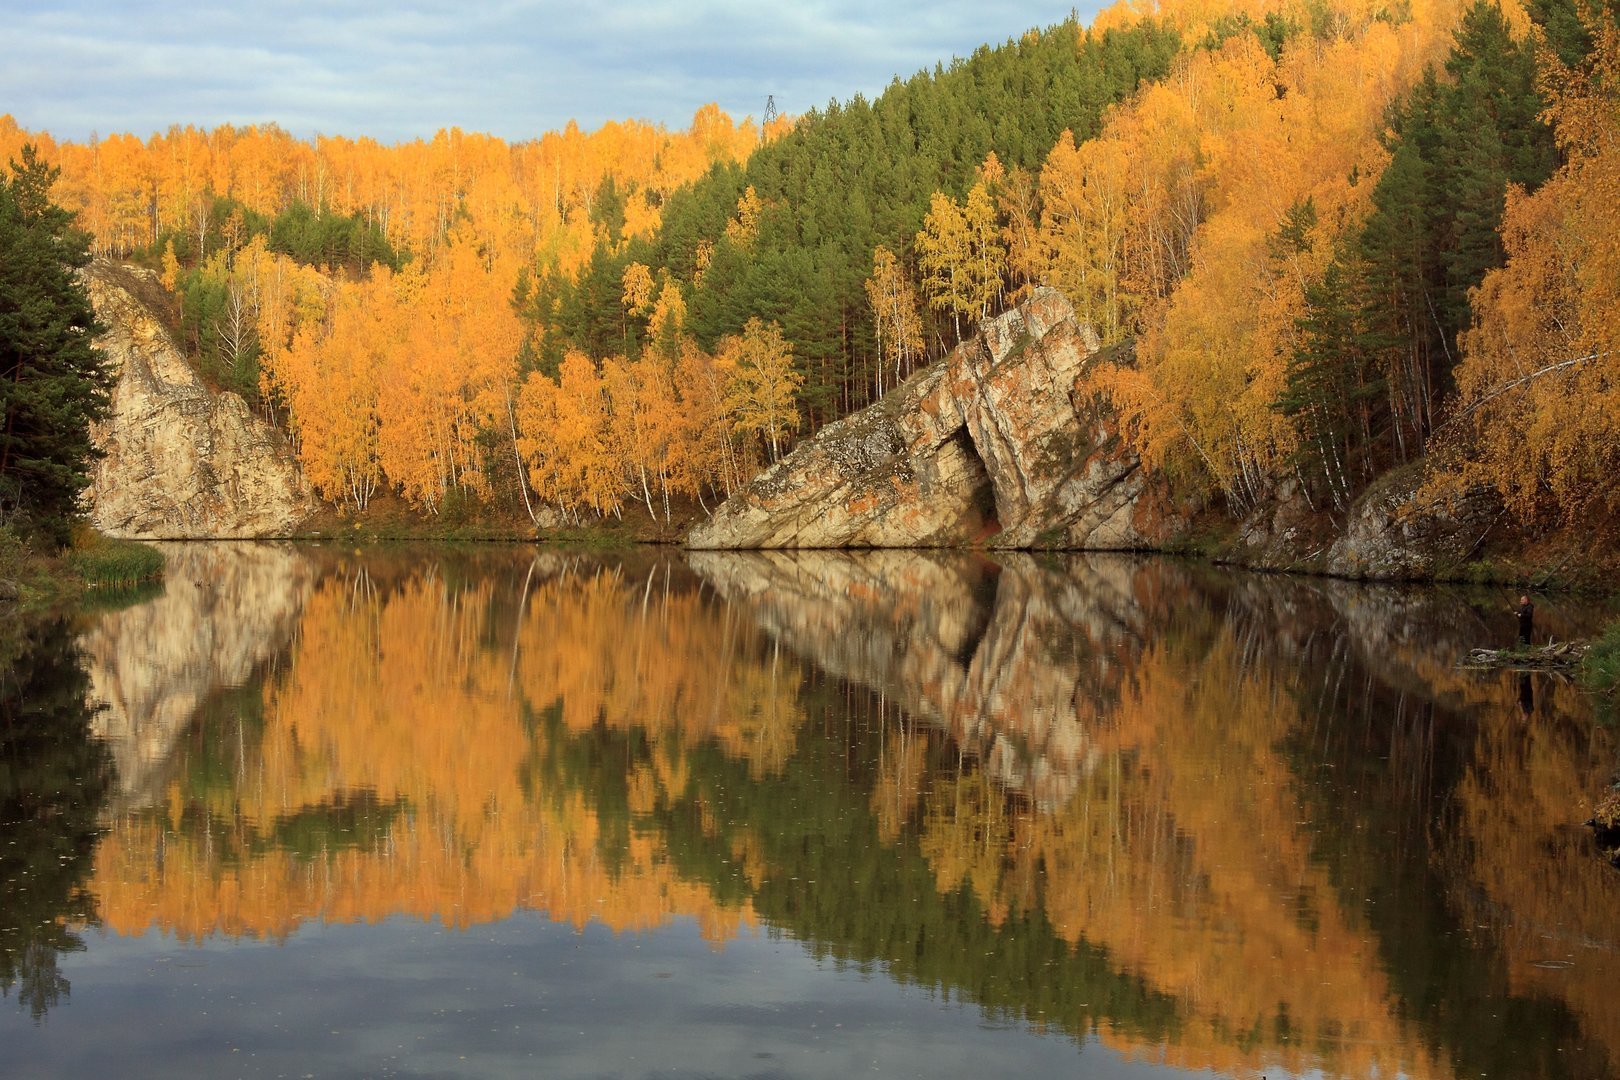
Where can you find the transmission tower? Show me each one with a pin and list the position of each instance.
(770, 116)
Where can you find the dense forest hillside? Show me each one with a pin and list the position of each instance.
(1344, 236)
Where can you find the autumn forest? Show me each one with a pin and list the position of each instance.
(1331, 238)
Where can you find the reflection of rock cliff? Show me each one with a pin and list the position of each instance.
(989, 657)
(990, 442)
(1019, 659)
(227, 608)
(1227, 776)
(181, 461)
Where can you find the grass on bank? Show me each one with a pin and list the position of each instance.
(25, 575)
(1600, 670)
(102, 562)
(34, 577)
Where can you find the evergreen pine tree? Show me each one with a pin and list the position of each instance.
(1455, 146)
(53, 380)
(1333, 389)
(854, 176)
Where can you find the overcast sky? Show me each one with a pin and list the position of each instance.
(397, 69)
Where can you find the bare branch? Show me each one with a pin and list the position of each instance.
(1515, 384)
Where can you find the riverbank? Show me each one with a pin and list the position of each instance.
(1278, 538)
(33, 582)
(388, 519)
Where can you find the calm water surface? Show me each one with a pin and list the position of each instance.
(310, 812)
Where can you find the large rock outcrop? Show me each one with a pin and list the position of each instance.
(1395, 532)
(181, 461)
(992, 444)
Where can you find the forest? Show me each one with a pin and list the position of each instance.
(1338, 238)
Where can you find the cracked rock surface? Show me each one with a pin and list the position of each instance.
(180, 461)
(992, 445)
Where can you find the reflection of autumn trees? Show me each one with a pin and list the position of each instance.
(1263, 774)
(1445, 839)
(406, 714)
(1184, 856)
(1522, 868)
(1226, 823)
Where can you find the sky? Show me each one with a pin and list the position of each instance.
(400, 69)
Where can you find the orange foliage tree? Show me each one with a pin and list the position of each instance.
(960, 254)
(406, 379)
(327, 379)
(762, 394)
(1538, 413)
(1208, 208)
(567, 444)
(894, 317)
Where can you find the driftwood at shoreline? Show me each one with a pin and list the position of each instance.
(1554, 657)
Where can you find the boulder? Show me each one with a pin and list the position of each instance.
(1395, 532)
(180, 460)
(993, 444)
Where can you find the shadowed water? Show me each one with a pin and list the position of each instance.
(508, 812)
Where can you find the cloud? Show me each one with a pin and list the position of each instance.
(515, 69)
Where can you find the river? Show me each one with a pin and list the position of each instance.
(506, 811)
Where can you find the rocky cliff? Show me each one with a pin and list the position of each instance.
(180, 460)
(996, 446)
(992, 444)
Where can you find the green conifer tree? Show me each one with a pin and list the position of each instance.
(1456, 144)
(53, 380)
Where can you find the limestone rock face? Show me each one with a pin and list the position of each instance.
(991, 444)
(181, 461)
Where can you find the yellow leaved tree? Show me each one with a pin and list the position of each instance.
(566, 441)
(451, 382)
(895, 320)
(1538, 416)
(1204, 213)
(327, 379)
(960, 254)
(762, 382)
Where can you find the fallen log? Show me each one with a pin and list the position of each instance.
(1556, 656)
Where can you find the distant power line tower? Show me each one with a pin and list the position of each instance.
(770, 116)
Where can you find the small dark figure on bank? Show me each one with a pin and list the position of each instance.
(1527, 620)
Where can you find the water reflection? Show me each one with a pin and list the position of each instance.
(1218, 821)
(226, 610)
(54, 781)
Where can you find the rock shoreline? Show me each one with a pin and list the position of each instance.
(996, 446)
(179, 459)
